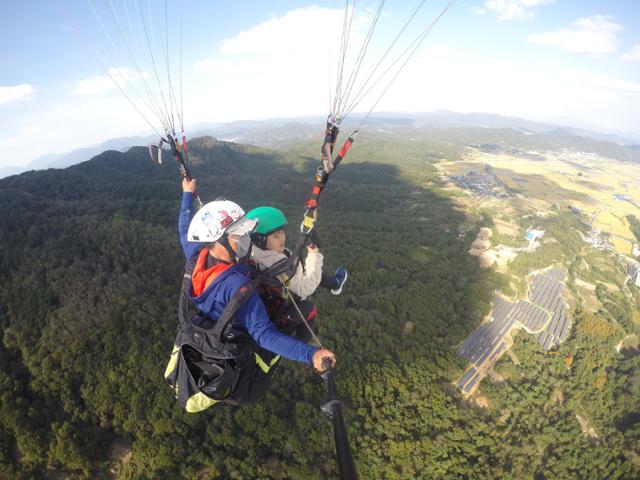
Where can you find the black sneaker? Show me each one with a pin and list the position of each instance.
(341, 276)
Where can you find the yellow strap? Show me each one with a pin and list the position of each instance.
(309, 221)
(173, 361)
(263, 365)
(199, 402)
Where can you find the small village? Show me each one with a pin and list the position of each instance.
(482, 183)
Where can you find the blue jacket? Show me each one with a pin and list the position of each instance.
(252, 316)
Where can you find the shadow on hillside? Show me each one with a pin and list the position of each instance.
(393, 236)
(107, 228)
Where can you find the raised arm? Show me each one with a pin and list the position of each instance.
(187, 210)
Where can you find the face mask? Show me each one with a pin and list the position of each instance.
(243, 246)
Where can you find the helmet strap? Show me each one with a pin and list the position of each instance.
(224, 241)
(212, 260)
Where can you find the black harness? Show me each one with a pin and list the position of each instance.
(209, 362)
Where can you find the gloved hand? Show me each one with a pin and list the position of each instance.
(313, 239)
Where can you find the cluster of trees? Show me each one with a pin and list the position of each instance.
(90, 268)
(582, 396)
(634, 224)
(571, 413)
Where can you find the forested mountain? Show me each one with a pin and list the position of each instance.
(441, 125)
(90, 267)
(449, 130)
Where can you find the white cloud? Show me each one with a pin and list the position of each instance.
(437, 79)
(511, 9)
(103, 83)
(632, 56)
(593, 36)
(605, 82)
(277, 68)
(94, 85)
(281, 68)
(68, 126)
(15, 93)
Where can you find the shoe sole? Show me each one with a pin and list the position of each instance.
(338, 291)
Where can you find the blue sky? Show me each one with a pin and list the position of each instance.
(545, 60)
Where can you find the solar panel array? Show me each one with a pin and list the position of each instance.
(544, 315)
(482, 342)
(469, 386)
(530, 316)
(498, 351)
(546, 291)
(556, 274)
(501, 307)
(557, 331)
(468, 380)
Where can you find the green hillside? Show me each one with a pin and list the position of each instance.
(90, 267)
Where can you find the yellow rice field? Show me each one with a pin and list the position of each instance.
(583, 181)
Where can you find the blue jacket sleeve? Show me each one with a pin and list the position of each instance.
(256, 321)
(184, 219)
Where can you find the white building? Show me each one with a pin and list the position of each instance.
(534, 235)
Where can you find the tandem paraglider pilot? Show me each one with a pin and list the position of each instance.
(227, 350)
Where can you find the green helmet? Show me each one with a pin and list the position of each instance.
(269, 219)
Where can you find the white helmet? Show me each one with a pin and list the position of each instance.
(216, 218)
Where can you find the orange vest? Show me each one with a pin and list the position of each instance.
(202, 277)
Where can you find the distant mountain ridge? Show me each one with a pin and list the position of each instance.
(277, 133)
(490, 120)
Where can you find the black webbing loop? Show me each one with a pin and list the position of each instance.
(180, 158)
(183, 304)
(223, 324)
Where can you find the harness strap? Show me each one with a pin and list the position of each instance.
(183, 304)
(223, 324)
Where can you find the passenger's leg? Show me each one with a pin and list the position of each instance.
(329, 281)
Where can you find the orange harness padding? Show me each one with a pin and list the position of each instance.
(202, 277)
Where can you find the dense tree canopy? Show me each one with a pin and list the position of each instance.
(90, 267)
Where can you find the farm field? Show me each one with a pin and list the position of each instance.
(606, 191)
